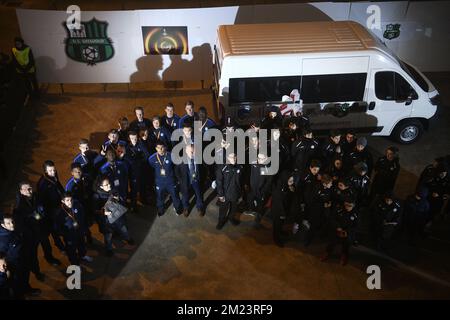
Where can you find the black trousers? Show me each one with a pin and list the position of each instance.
(75, 247)
(227, 210)
(343, 242)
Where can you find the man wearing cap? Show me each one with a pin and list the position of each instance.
(361, 154)
(273, 119)
(439, 187)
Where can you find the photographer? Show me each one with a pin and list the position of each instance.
(108, 204)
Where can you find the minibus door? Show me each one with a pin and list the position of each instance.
(390, 98)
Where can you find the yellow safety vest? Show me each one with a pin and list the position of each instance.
(22, 57)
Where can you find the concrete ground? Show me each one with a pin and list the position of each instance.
(187, 258)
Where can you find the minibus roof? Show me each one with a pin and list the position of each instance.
(300, 37)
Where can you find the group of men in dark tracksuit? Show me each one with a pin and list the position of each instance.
(322, 187)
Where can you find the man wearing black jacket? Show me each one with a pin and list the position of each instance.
(29, 219)
(49, 191)
(191, 176)
(260, 186)
(342, 228)
(386, 170)
(228, 181)
(71, 225)
(11, 244)
(318, 206)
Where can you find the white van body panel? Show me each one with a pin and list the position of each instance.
(372, 58)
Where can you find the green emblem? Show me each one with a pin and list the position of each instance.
(392, 31)
(90, 43)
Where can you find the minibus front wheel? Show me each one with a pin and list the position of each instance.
(408, 131)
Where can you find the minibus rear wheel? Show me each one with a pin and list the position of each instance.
(407, 132)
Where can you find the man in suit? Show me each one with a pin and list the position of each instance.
(191, 175)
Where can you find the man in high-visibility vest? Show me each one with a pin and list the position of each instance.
(25, 68)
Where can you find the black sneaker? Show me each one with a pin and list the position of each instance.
(220, 225)
(234, 221)
(130, 242)
(109, 253)
(53, 261)
(160, 213)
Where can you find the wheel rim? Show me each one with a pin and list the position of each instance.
(409, 133)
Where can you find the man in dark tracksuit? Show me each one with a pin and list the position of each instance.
(360, 154)
(89, 160)
(330, 148)
(190, 177)
(317, 207)
(157, 132)
(228, 181)
(303, 150)
(163, 168)
(285, 203)
(80, 188)
(101, 196)
(417, 214)
(386, 215)
(342, 228)
(136, 155)
(439, 188)
(343, 190)
(306, 184)
(11, 244)
(29, 220)
(361, 183)
(117, 172)
(386, 170)
(71, 225)
(260, 186)
(170, 120)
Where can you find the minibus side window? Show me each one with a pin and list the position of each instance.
(261, 89)
(333, 87)
(390, 85)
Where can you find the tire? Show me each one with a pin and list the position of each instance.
(407, 132)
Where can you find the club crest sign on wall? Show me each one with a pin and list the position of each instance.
(89, 43)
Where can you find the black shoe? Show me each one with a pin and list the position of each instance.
(34, 292)
(160, 213)
(258, 217)
(220, 225)
(234, 221)
(53, 261)
(40, 276)
(279, 243)
(130, 242)
(109, 253)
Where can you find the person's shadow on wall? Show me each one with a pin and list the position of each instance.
(148, 68)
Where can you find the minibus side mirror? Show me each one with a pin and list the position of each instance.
(371, 105)
(408, 101)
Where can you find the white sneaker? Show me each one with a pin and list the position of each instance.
(295, 228)
(249, 213)
(87, 259)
